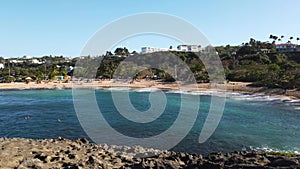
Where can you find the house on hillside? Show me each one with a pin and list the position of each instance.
(265, 50)
(189, 48)
(36, 61)
(2, 66)
(16, 61)
(152, 50)
(180, 48)
(287, 47)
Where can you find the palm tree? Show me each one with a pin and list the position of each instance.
(297, 40)
(252, 41)
(281, 37)
(291, 38)
(274, 38)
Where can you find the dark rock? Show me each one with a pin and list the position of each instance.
(71, 156)
(172, 164)
(54, 159)
(211, 165)
(189, 158)
(49, 154)
(84, 140)
(284, 162)
(192, 166)
(143, 164)
(91, 160)
(236, 159)
(217, 157)
(69, 166)
(245, 166)
(41, 157)
(271, 157)
(137, 166)
(61, 139)
(250, 154)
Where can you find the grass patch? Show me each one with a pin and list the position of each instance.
(287, 154)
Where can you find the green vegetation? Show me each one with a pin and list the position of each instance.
(286, 154)
(44, 68)
(253, 61)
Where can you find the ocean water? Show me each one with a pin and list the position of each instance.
(248, 121)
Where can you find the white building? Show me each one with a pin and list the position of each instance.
(36, 61)
(152, 49)
(16, 61)
(189, 48)
(265, 50)
(2, 66)
(287, 47)
(180, 48)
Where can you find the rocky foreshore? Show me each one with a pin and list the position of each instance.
(63, 153)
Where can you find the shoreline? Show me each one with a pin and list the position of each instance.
(231, 87)
(65, 153)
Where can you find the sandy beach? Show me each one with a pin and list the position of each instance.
(239, 87)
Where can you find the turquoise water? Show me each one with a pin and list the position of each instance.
(248, 121)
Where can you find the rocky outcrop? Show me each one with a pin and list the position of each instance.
(64, 153)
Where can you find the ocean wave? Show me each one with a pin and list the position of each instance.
(266, 148)
(244, 96)
(265, 98)
(118, 89)
(231, 95)
(149, 89)
(200, 93)
(99, 88)
(297, 108)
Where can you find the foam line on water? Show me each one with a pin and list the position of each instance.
(118, 88)
(233, 95)
(149, 89)
(266, 148)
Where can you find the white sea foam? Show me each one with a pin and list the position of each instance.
(200, 93)
(297, 108)
(178, 92)
(292, 102)
(266, 148)
(150, 89)
(58, 87)
(243, 96)
(118, 88)
(99, 88)
(263, 97)
(233, 95)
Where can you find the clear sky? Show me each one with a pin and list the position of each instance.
(62, 27)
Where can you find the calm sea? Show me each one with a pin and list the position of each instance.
(248, 122)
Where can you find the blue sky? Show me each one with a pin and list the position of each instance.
(62, 27)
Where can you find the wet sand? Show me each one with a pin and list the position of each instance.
(239, 87)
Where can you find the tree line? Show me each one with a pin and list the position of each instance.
(245, 63)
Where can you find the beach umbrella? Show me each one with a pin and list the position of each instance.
(28, 78)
